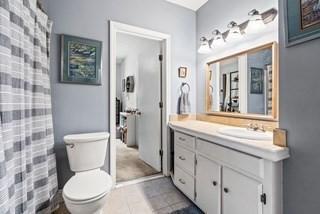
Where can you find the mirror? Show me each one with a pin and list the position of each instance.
(244, 84)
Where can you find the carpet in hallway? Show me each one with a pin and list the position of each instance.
(129, 165)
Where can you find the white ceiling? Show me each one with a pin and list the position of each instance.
(191, 4)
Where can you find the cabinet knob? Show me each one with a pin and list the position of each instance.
(214, 183)
(226, 190)
(182, 158)
(182, 181)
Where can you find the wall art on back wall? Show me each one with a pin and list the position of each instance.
(302, 21)
(256, 82)
(80, 60)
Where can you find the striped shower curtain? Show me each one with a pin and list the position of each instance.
(28, 179)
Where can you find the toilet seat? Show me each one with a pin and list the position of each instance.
(87, 186)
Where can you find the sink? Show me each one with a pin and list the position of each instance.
(246, 134)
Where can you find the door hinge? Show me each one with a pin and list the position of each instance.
(263, 198)
(160, 57)
(195, 161)
(195, 195)
(161, 152)
(160, 104)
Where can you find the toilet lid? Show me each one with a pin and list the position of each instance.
(87, 185)
(85, 138)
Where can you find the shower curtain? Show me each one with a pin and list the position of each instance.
(28, 179)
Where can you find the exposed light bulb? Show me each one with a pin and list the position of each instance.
(204, 46)
(218, 39)
(234, 32)
(255, 24)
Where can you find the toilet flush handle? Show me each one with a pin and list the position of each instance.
(70, 144)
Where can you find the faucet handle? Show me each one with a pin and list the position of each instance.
(256, 127)
(262, 128)
(252, 126)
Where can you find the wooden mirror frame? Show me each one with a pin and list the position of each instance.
(275, 85)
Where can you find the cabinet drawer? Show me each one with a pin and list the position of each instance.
(231, 157)
(184, 158)
(184, 182)
(184, 140)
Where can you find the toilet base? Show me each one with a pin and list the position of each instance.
(94, 207)
(99, 212)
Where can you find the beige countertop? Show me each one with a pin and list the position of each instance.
(209, 131)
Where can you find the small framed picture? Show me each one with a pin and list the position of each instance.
(123, 85)
(257, 79)
(80, 60)
(183, 72)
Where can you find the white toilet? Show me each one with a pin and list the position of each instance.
(86, 192)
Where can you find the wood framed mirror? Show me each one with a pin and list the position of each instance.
(244, 85)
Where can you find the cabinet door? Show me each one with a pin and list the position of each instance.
(240, 194)
(208, 185)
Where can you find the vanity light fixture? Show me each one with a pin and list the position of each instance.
(234, 32)
(255, 23)
(204, 46)
(218, 39)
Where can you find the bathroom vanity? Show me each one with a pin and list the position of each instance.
(227, 174)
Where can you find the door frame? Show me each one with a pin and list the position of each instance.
(117, 27)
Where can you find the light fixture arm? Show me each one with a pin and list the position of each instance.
(253, 12)
(232, 24)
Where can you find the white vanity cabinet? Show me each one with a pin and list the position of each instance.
(241, 194)
(184, 159)
(223, 180)
(208, 184)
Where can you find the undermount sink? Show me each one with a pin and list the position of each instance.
(246, 134)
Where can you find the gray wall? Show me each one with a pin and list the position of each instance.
(81, 108)
(299, 114)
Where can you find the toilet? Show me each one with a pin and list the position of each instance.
(86, 192)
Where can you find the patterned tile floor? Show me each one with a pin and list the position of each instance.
(155, 196)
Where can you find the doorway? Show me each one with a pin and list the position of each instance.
(139, 92)
(138, 114)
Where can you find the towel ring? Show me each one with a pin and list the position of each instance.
(184, 84)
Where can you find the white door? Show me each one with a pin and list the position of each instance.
(240, 194)
(148, 98)
(208, 185)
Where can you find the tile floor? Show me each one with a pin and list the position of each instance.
(155, 196)
(150, 197)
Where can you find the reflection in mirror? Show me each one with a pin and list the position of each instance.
(260, 82)
(242, 83)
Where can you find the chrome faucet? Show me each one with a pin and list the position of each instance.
(256, 127)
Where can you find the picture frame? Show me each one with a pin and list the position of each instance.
(256, 80)
(182, 72)
(123, 87)
(80, 60)
(302, 20)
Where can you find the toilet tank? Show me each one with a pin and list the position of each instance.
(86, 151)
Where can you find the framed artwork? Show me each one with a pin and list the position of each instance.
(123, 85)
(183, 72)
(256, 80)
(80, 60)
(302, 21)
